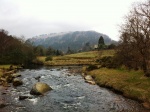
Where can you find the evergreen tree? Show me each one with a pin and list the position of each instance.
(50, 51)
(69, 51)
(101, 43)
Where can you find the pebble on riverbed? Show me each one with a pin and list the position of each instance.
(2, 105)
(23, 97)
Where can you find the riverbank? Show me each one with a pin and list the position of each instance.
(7, 67)
(131, 84)
(2, 68)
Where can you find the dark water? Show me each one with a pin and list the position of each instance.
(69, 94)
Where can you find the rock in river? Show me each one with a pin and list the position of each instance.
(23, 97)
(16, 75)
(40, 88)
(89, 80)
(17, 82)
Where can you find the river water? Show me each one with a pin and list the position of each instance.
(70, 94)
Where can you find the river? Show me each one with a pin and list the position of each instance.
(70, 94)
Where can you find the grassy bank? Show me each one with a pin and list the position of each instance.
(84, 58)
(2, 67)
(132, 84)
(5, 67)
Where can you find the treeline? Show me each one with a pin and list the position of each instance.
(102, 45)
(17, 51)
(134, 46)
(42, 51)
(14, 50)
(133, 50)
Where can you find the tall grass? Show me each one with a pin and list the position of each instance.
(132, 84)
(84, 58)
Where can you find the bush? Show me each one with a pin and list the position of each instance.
(49, 58)
(38, 62)
(91, 67)
(108, 62)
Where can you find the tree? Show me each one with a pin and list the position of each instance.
(111, 46)
(86, 47)
(101, 43)
(50, 51)
(5, 42)
(69, 51)
(134, 47)
(58, 53)
(14, 50)
(39, 50)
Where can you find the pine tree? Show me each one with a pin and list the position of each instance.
(101, 43)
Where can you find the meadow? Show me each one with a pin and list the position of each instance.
(84, 58)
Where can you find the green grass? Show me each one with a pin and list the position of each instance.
(84, 58)
(132, 84)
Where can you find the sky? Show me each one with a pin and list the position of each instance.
(31, 18)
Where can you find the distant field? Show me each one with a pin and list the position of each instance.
(84, 58)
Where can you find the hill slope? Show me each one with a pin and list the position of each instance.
(75, 40)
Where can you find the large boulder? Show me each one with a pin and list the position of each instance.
(40, 88)
(17, 82)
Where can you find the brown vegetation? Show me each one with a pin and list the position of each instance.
(14, 50)
(134, 48)
(131, 84)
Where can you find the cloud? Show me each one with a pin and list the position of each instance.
(35, 17)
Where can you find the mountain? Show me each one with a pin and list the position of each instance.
(74, 40)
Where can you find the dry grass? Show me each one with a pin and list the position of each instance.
(132, 84)
(108, 53)
(4, 66)
(84, 58)
(1, 72)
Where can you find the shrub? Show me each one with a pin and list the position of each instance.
(108, 62)
(91, 67)
(38, 62)
(48, 58)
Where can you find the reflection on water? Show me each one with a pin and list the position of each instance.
(70, 94)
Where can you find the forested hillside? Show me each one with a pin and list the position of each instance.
(74, 40)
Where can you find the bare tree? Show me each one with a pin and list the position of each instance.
(135, 37)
